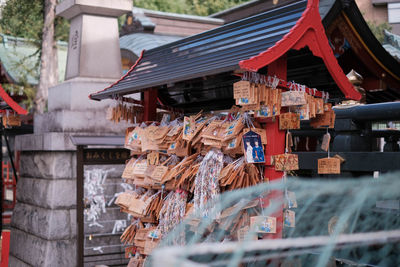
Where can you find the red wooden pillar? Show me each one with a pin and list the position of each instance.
(275, 146)
(150, 105)
(5, 248)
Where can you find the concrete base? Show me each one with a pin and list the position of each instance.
(43, 224)
(92, 122)
(71, 110)
(73, 94)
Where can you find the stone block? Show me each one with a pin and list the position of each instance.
(61, 253)
(15, 262)
(48, 165)
(44, 223)
(44, 142)
(36, 251)
(28, 248)
(111, 8)
(74, 94)
(47, 193)
(91, 122)
(73, 223)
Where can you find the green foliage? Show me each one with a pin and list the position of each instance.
(208, 7)
(24, 18)
(176, 6)
(193, 7)
(378, 29)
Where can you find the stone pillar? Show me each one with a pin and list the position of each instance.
(93, 22)
(44, 220)
(93, 63)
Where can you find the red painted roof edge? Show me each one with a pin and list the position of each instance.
(126, 74)
(14, 105)
(310, 32)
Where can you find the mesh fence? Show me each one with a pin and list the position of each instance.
(341, 222)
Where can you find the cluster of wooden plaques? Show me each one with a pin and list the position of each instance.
(125, 112)
(167, 157)
(296, 106)
(11, 120)
(267, 102)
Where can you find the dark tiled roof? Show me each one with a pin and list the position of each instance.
(212, 52)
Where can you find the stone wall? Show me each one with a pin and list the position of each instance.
(43, 224)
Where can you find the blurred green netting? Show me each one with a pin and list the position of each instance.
(341, 222)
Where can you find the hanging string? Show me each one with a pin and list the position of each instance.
(273, 82)
(327, 132)
(247, 120)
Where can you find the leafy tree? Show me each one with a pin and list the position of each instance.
(194, 7)
(26, 18)
(48, 57)
(208, 7)
(176, 6)
(378, 29)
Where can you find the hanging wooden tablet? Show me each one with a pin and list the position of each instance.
(312, 105)
(261, 132)
(319, 105)
(136, 262)
(246, 94)
(293, 98)
(303, 111)
(291, 201)
(188, 127)
(175, 130)
(153, 158)
(249, 107)
(124, 200)
(130, 251)
(133, 138)
(128, 171)
(241, 90)
(325, 142)
(148, 144)
(267, 95)
(325, 120)
(233, 129)
(289, 121)
(159, 172)
(252, 147)
(140, 168)
(214, 130)
(329, 166)
(263, 224)
(264, 112)
(327, 107)
(276, 102)
(290, 218)
(242, 233)
(233, 146)
(289, 142)
(286, 162)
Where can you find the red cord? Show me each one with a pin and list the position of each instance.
(14, 105)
